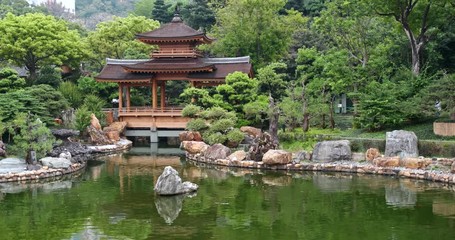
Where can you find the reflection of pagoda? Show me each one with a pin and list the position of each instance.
(176, 59)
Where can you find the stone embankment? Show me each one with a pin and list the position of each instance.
(335, 156)
(42, 173)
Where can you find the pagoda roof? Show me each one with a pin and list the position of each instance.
(119, 70)
(175, 31)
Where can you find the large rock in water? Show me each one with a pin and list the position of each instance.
(401, 143)
(217, 151)
(276, 157)
(194, 147)
(190, 136)
(330, 151)
(169, 183)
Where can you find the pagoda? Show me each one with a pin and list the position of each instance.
(176, 59)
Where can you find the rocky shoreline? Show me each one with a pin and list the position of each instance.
(340, 166)
(78, 154)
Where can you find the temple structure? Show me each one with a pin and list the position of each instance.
(176, 59)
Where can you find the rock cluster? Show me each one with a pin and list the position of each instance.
(259, 145)
(42, 173)
(114, 131)
(169, 183)
(64, 134)
(77, 151)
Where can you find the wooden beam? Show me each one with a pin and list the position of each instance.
(163, 94)
(120, 97)
(154, 94)
(128, 98)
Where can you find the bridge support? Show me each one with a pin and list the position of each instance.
(153, 133)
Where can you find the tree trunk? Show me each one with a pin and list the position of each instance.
(274, 117)
(323, 121)
(332, 119)
(306, 122)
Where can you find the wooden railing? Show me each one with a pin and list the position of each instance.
(176, 53)
(173, 111)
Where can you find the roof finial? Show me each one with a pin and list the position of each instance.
(177, 17)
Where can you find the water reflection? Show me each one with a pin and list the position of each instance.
(169, 207)
(333, 182)
(399, 195)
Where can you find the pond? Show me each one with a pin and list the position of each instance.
(114, 199)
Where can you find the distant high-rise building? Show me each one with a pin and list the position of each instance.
(70, 5)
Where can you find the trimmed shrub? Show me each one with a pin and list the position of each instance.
(213, 138)
(235, 136)
(196, 125)
(222, 125)
(191, 111)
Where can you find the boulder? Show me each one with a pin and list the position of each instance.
(97, 137)
(387, 161)
(190, 136)
(452, 168)
(372, 153)
(94, 122)
(237, 156)
(415, 163)
(330, 151)
(169, 183)
(252, 131)
(2, 149)
(55, 162)
(194, 147)
(12, 165)
(119, 127)
(277, 157)
(301, 156)
(112, 135)
(401, 143)
(217, 151)
(66, 155)
(64, 134)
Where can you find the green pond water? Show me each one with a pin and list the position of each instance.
(114, 199)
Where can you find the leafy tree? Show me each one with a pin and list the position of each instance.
(201, 97)
(441, 90)
(10, 80)
(143, 8)
(17, 7)
(198, 15)
(106, 91)
(31, 134)
(35, 40)
(306, 7)
(255, 28)
(113, 39)
(161, 12)
(238, 90)
(49, 75)
(418, 19)
(272, 83)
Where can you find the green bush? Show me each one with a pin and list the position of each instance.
(191, 111)
(82, 118)
(95, 104)
(222, 125)
(215, 113)
(31, 134)
(70, 91)
(235, 135)
(196, 125)
(213, 138)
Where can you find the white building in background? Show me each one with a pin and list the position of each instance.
(68, 4)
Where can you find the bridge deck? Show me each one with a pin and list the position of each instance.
(147, 117)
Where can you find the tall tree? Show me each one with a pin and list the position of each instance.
(198, 15)
(271, 82)
(255, 28)
(114, 39)
(419, 20)
(161, 12)
(35, 40)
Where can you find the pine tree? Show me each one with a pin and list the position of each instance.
(160, 12)
(198, 15)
